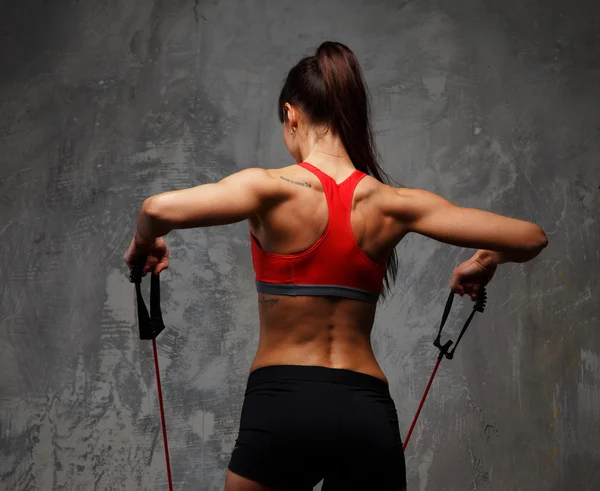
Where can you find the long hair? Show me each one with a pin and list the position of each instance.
(330, 89)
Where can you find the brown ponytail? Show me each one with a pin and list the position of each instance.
(330, 89)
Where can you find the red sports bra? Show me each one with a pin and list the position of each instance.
(334, 266)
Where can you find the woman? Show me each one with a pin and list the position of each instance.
(323, 238)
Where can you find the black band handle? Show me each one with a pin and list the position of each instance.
(150, 324)
(479, 306)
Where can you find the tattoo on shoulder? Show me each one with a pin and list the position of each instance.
(269, 302)
(297, 183)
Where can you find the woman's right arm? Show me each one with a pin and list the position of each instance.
(506, 239)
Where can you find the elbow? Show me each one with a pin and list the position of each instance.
(536, 243)
(155, 210)
(541, 240)
(544, 240)
(152, 209)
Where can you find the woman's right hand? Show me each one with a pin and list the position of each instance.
(474, 273)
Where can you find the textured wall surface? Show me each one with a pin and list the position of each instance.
(490, 104)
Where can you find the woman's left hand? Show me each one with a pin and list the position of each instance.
(157, 255)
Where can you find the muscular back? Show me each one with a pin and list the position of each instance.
(325, 331)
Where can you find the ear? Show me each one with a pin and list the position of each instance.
(292, 116)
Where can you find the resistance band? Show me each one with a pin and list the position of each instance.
(151, 325)
(444, 349)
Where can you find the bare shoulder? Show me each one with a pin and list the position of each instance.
(254, 177)
(257, 184)
(251, 175)
(368, 188)
(409, 204)
(373, 191)
(397, 202)
(283, 182)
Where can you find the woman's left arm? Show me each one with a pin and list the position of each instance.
(235, 198)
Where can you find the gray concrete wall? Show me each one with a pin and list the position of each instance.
(491, 104)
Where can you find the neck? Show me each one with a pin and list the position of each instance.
(326, 152)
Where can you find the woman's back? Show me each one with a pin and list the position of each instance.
(324, 330)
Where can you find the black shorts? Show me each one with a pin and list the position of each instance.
(301, 424)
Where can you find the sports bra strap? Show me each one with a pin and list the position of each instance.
(345, 189)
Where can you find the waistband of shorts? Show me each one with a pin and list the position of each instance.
(276, 373)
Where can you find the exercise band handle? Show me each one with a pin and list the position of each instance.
(479, 306)
(150, 324)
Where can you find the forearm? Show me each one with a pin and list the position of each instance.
(500, 257)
